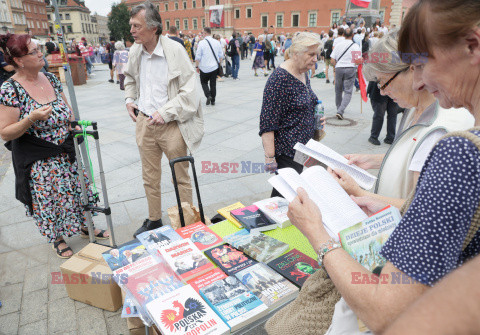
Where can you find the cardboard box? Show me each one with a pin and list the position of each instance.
(88, 279)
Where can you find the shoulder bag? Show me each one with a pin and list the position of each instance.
(220, 68)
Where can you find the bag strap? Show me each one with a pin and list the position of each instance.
(475, 223)
(212, 51)
(345, 52)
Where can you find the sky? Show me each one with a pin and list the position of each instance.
(102, 7)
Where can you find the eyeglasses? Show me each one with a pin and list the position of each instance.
(384, 87)
(34, 52)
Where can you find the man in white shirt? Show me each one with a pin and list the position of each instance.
(344, 57)
(209, 55)
(340, 38)
(160, 77)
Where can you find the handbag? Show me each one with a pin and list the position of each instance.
(220, 68)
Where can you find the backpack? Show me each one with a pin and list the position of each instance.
(268, 46)
(232, 48)
(252, 40)
(328, 47)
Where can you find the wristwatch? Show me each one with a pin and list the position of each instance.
(325, 248)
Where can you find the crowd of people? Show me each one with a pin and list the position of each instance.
(431, 171)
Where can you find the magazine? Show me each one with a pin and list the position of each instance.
(124, 254)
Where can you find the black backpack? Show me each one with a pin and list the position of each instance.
(232, 48)
(328, 47)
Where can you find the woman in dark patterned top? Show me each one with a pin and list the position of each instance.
(287, 115)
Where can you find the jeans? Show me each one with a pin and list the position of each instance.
(212, 78)
(250, 48)
(344, 81)
(88, 63)
(379, 109)
(235, 65)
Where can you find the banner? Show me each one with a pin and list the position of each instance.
(361, 3)
(217, 19)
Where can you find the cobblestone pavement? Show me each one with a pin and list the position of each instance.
(5, 160)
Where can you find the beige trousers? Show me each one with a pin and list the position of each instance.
(153, 141)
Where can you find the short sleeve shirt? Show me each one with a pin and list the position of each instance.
(287, 110)
(427, 244)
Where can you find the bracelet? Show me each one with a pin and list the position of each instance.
(28, 117)
(325, 248)
(269, 157)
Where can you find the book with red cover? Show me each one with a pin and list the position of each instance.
(295, 266)
(206, 279)
(186, 259)
(201, 235)
(229, 259)
(253, 219)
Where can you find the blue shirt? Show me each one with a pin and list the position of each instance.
(427, 244)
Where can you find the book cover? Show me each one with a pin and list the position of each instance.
(275, 208)
(233, 302)
(206, 279)
(158, 238)
(295, 266)
(364, 240)
(259, 246)
(125, 254)
(184, 312)
(201, 235)
(229, 259)
(253, 220)
(147, 279)
(225, 212)
(185, 259)
(267, 285)
(130, 308)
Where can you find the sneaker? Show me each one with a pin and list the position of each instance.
(118, 82)
(256, 75)
(209, 100)
(148, 225)
(374, 141)
(213, 103)
(339, 116)
(388, 141)
(328, 81)
(110, 81)
(265, 74)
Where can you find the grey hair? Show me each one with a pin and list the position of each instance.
(152, 16)
(303, 41)
(119, 45)
(384, 57)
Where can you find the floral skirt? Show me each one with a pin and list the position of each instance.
(259, 62)
(57, 197)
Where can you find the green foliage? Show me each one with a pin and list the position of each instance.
(118, 22)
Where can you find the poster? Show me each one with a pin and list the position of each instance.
(217, 19)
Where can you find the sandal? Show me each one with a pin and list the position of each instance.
(100, 235)
(60, 252)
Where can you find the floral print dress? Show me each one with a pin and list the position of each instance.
(54, 182)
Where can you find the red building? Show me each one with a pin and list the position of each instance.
(36, 16)
(256, 15)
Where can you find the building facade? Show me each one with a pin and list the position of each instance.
(6, 24)
(19, 21)
(102, 28)
(36, 16)
(256, 15)
(76, 21)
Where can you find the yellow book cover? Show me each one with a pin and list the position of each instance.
(225, 212)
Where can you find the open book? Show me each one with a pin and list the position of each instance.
(334, 160)
(339, 211)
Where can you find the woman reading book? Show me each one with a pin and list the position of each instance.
(420, 128)
(435, 235)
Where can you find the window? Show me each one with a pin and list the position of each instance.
(184, 5)
(194, 4)
(280, 20)
(69, 29)
(249, 12)
(49, 17)
(61, 16)
(38, 24)
(217, 2)
(203, 23)
(177, 24)
(382, 14)
(194, 23)
(312, 19)
(335, 17)
(34, 8)
(185, 24)
(264, 21)
(203, 3)
(295, 20)
(237, 13)
(67, 16)
(166, 7)
(176, 5)
(167, 24)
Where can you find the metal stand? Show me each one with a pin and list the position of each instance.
(89, 208)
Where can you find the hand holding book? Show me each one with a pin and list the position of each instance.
(346, 182)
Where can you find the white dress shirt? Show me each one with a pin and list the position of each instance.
(207, 61)
(347, 58)
(153, 81)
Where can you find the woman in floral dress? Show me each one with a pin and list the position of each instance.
(34, 108)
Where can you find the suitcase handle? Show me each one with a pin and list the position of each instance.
(175, 184)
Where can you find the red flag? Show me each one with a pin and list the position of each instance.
(363, 84)
(361, 3)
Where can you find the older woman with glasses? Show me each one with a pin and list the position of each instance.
(420, 127)
(35, 117)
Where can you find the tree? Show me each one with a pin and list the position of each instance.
(118, 22)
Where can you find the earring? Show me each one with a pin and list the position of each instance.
(23, 66)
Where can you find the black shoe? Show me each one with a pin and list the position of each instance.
(213, 103)
(118, 82)
(339, 116)
(110, 81)
(328, 81)
(388, 141)
(148, 225)
(374, 141)
(209, 99)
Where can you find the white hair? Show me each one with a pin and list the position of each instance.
(303, 41)
(119, 45)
